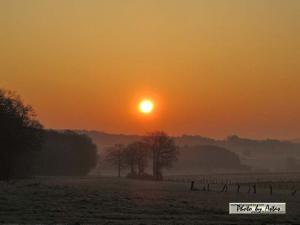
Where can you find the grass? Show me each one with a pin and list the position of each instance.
(100, 200)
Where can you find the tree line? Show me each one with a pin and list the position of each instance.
(156, 147)
(65, 153)
(27, 149)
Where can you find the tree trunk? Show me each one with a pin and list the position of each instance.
(132, 168)
(154, 165)
(119, 163)
(157, 168)
(141, 167)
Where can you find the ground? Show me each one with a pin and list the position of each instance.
(100, 200)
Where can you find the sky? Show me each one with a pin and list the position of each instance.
(212, 67)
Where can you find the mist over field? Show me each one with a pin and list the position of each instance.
(207, 155)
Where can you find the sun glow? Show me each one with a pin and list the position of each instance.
(146, 106)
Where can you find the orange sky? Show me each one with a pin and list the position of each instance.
(213, 67)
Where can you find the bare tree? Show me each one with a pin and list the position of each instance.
(115, 156)
(142, 157)
(164, 152)
(130, 158)
(136, 157)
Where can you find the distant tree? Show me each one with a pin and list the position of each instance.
(130, 157)
(136, 157)
(115, 156)
(164, 152)
(20, 136)
(66, 153)
(142, 157)
(210, 158)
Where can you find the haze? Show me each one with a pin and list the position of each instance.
(213, 68)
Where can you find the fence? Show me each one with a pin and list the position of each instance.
(250, 183)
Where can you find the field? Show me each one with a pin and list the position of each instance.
(105, 200)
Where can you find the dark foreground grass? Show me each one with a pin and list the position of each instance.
(92, 200)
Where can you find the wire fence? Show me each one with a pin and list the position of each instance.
(249, 183)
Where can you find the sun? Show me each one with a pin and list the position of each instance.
(146, 106)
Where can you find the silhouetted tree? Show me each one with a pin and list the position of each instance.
(130, 158)
(142, 157)
(115, 156)
(164, 152)
(136, 157)
(20, 136)
(66, 153)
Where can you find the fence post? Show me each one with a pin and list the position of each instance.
(224, 189)
(192, 185)
(254, 188)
